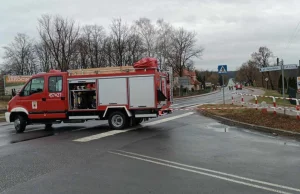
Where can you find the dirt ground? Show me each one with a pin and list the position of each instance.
(252, 116)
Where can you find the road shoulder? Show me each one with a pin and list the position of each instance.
(237, 122)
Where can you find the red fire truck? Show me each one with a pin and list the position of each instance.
(125, 96)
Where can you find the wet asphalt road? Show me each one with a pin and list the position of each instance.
(183, 152)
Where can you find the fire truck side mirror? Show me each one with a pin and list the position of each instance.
(21, 93)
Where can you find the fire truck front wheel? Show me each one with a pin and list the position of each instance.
(20, 123)
(118, 120)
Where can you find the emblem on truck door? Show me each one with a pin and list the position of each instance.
(34, 104)
(55, 95)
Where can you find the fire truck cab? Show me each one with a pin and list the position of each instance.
(125, 96)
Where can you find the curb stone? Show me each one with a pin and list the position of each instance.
(251, 126)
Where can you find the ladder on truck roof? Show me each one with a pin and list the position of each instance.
(101, 70)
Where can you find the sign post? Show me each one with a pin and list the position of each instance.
(282, 67)
(222, 69)
(267, 79)
(282, 72)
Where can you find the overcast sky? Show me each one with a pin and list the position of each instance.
(229, 30)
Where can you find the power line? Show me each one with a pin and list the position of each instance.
(293, 35)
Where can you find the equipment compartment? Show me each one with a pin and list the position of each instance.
(82, 95)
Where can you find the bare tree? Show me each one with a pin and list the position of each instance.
(183, 50)
(19, 58)
(110, 56)
(163, 41)
(147, 32)
(261, 59)
(120, 33)
(247, 72)
(64, 46)
(213, 78)
(93, 37)
(82, 60)
(135, 49)
(60, 36)
(44, 57)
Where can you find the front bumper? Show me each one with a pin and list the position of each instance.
(7, 117)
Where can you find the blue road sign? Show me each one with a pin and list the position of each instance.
(222, 69)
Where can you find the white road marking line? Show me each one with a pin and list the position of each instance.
(194, 106)
(167, 119)
(186, 105)
(100, 135)
(80, 129)
(114, 132)
(202, 173)
(214, 171)
(174, 104)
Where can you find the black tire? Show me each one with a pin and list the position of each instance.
(48, 127)
(118, 120)
(20, 123)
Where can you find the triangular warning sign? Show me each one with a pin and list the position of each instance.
(222, 70)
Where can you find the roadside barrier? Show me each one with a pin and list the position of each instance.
(193, 109)
(274, 107)
(255, 105)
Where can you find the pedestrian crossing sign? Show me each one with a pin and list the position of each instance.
(222, 69)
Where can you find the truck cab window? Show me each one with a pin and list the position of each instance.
(55, 84)
(36, 85)
(26, 91)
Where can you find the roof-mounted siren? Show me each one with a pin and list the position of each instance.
(146, 63)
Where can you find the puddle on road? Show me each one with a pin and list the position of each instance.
(218, 127)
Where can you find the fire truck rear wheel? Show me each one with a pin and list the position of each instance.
(20, 123)
(118, 120)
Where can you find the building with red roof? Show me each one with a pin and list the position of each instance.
(193, 83)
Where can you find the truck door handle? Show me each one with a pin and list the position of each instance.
(43, 99)
(62, 98)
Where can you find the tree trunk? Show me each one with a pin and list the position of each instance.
(262, 80)
(270, 79)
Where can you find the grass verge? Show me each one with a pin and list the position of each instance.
(256, 117)
(270, 100)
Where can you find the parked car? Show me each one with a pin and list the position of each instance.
(238, 86)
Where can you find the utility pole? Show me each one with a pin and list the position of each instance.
(299, 69)
(282, 72)
(223, 89)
